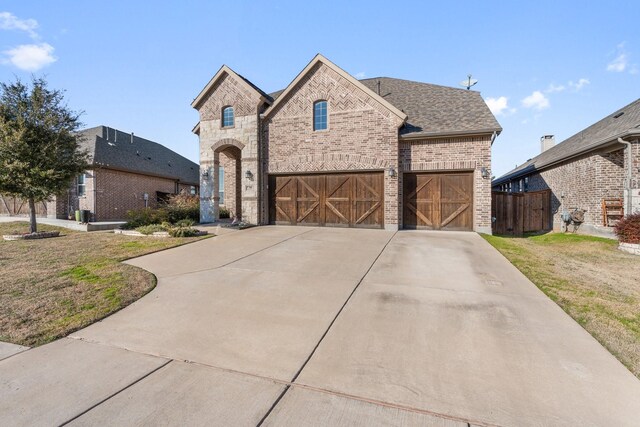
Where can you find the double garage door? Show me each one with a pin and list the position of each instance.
(342, 200)
(435, 201)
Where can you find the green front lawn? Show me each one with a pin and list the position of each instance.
(594, 282)
(52, 287)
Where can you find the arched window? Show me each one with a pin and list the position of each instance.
(320, 115)
(227, 117)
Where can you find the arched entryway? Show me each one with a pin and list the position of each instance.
(227, 157)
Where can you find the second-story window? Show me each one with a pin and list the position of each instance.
(320, 115)
(227, 117)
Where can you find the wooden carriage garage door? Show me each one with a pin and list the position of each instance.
(341, 200)
(438, 201)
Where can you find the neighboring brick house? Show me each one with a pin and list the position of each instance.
(585, 169)
(126, 172)
(336, 151)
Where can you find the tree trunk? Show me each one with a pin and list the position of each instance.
(32, 215)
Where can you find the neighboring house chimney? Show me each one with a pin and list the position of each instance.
(547, 142)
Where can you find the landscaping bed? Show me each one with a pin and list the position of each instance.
(594, 282)
(52, 287)
(31, 236)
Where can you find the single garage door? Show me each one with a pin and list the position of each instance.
(438, 201)
(341, 200)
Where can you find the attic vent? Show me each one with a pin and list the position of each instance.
(137, 153)
(618, 115)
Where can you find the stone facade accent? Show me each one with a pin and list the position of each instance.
(214, 139)
(454, 154)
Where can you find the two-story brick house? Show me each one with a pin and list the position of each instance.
(333, 150)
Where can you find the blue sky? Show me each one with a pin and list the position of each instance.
(544, 67)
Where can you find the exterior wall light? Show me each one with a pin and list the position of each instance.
(484, 172)
(205, 174)
(391, 171)
(248, 174)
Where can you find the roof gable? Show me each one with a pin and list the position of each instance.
(321, 59)
(224, 70)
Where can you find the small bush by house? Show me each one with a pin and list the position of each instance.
(628, 229)
(179, 207)
(224, 213)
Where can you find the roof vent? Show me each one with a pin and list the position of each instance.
(546, 142)
(132, 137)
(618, 115)
(111, 144)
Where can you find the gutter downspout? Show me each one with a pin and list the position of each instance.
(629, 174)
(493, 137)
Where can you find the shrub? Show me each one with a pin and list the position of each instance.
(145, 216)
(224, 213)
(151, 228)
(628, 229)
(183, 232)
(185, 223)
(183, 206)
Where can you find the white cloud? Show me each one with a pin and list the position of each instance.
(361, 75)
(580, 84)
(619, 64)
(555, 88)
(30, 57)
(536, 100)
(499, 105)
(8, 21)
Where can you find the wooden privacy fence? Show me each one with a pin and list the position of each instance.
(519, 213)
(14, 206)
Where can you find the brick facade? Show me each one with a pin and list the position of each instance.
(582, 183)
(453, 154)
(362, 135)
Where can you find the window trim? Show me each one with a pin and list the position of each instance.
(326, 115)
(233, 117)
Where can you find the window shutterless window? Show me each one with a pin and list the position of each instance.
(227, 117)
(82, 187)
(320, 115)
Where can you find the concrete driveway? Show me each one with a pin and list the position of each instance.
(320, 326)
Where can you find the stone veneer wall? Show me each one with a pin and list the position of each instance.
(361, 135)
(228, 91)
(453, 154)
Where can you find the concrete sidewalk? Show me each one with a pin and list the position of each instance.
(320, 326)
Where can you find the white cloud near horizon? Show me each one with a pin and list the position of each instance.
(8, 21)
(536, 100)
(621, 62)
(30, 57)
(361, 75)
(499, 106)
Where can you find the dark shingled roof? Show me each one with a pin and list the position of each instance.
(432, 109)
(623, 122)
(111, 148)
